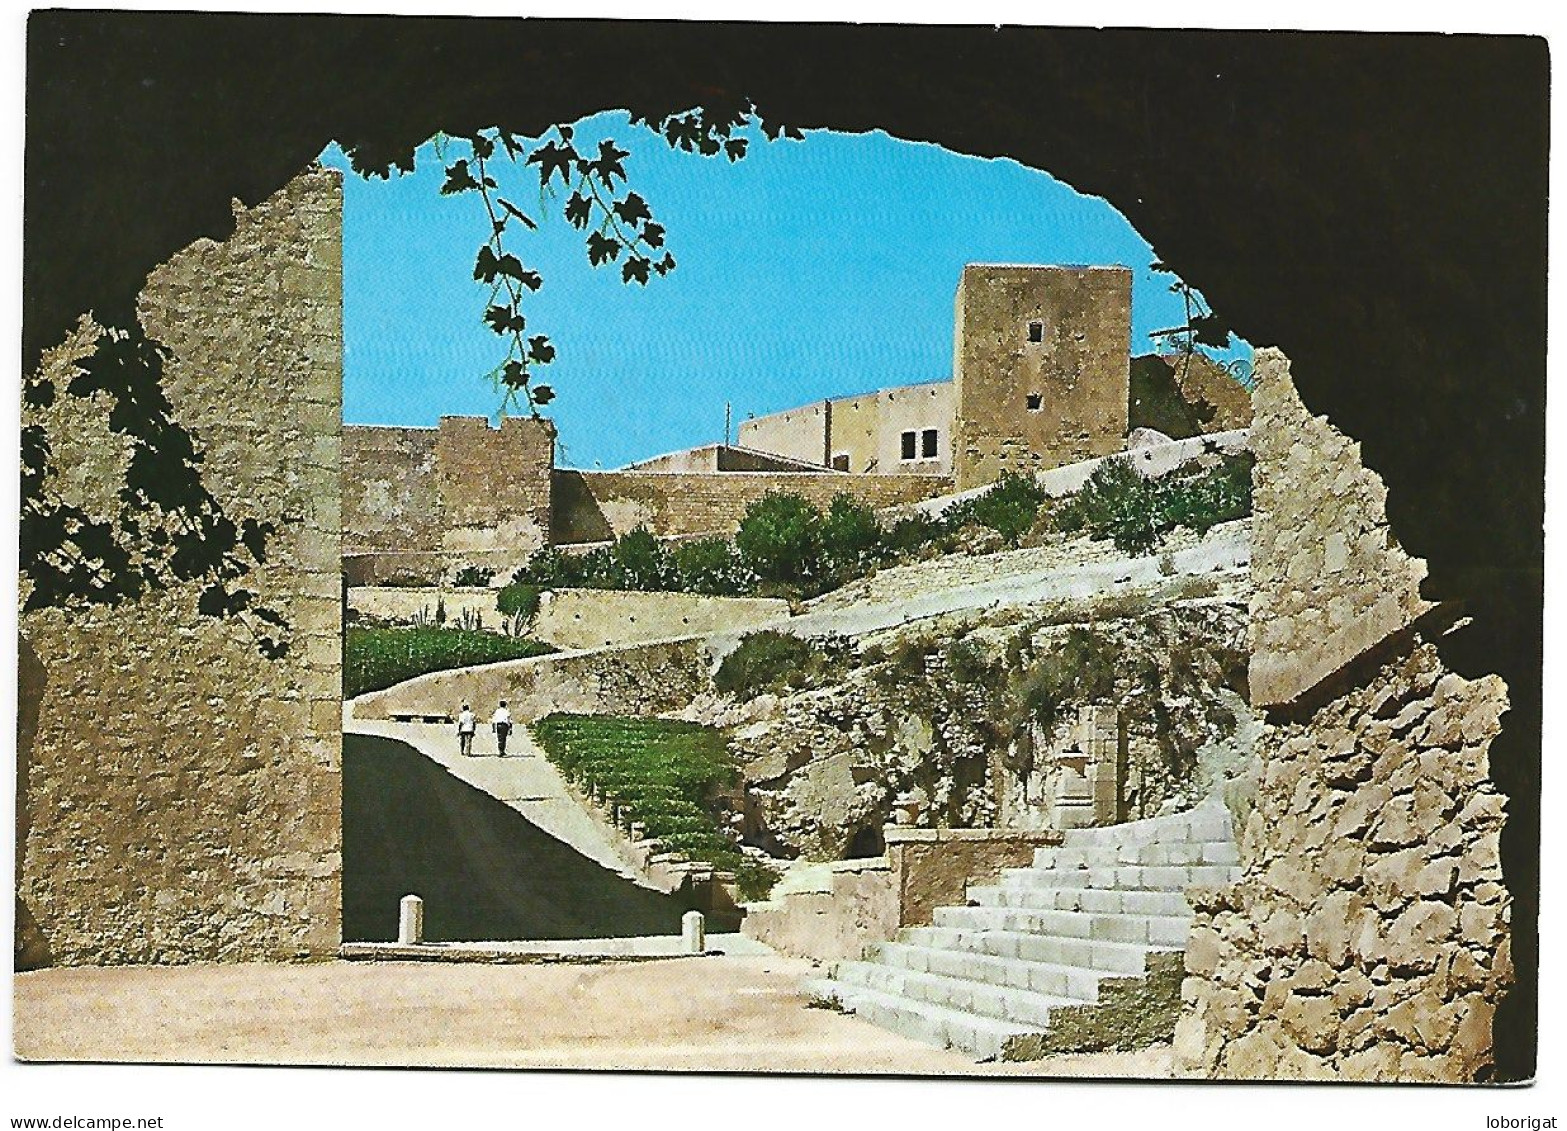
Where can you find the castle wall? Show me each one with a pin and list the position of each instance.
(1027, 406)
(799, 433)
(180, 794)
(1368, 936)
(596, 506)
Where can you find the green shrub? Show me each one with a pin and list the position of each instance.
(709, 565)
(1078, 671)
(473, 577)
(851, 535)
(1136, 513)
(377, 658)
(770, 661)
(518, 600)
(1008, 508)
(780, 538)
(637, 561)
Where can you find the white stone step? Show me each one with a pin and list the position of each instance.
(1207, 823)
(1131, 877)
(1158, 930)
(1004, 1003)
(1153, 852)
(1074, 982)
(1103, 900)
(1095, 954)
(983, 1038)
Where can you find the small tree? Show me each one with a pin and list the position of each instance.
(780, 538)
(639, 562)
(850, 532)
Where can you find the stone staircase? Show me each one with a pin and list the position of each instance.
(1082, 950)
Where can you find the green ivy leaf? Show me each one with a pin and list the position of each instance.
(633, 209)
(553, 158)
(540, 350)
(579, 210)
(458, 179)
(601, 249)
(610, 163)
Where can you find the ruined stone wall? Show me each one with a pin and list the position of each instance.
(1025, 405)
(1368, 937)
(181, 793)
(464, 492)
(596, 618)
(1329, 578)
(595, 506)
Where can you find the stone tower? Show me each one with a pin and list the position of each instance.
(1041, 368)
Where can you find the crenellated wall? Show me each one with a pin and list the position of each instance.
(1368, 937)
(180, 793)
(421, 503)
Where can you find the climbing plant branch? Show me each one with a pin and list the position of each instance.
(618, 223)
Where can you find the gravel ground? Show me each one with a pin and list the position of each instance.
(713, 1014)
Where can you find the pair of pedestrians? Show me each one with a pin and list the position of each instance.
(468, 723)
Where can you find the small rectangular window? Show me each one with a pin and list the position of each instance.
(908, 445)
(1036, 331)
(928, 444)
(1035, 402)
(840, 462)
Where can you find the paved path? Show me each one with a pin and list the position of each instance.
(1226, 548)
(714, 1014)
(524, 780)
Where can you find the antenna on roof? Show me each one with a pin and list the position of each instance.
(726, 423)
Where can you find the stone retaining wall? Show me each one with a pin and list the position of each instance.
(639, 679)
(181, 794)
(598, 618)
(858, 903)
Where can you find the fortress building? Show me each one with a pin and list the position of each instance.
(1040, 372)
(1041, 377)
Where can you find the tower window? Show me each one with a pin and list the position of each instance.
(1035, 402)
(928, 444)
(908, 445)
(1036, 331)
(840, 462)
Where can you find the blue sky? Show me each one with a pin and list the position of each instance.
(809, 269)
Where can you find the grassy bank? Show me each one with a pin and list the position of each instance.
(375, 658)
(664, 774)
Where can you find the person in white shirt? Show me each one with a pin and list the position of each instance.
(467, 723)
(501, 721)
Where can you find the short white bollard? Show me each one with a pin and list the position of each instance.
(693, 932)
(410, 921)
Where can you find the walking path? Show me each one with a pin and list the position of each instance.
(1225, 549)
(524, 780)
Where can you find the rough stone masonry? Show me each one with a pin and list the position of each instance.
(180, 794)
(1368, 937)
